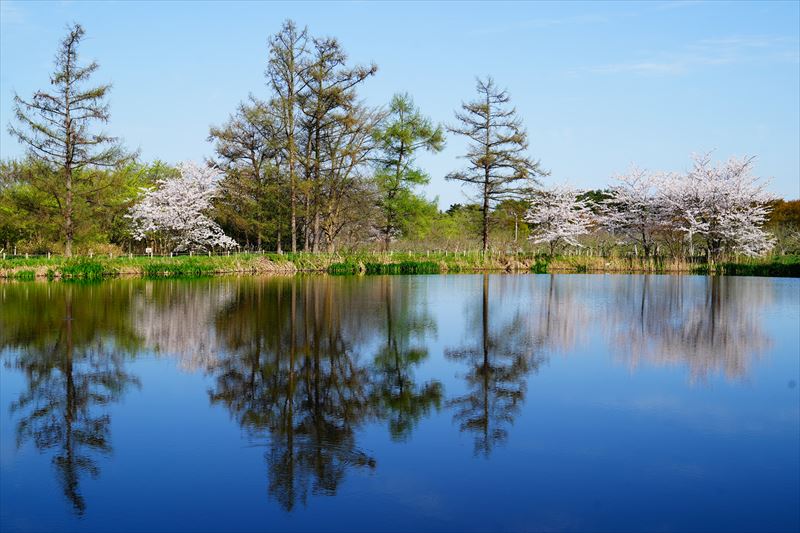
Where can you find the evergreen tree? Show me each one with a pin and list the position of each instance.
(497, 162)
(287, 51)
(404, 133)
(55, 127)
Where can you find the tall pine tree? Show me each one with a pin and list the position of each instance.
(403, 133)
(55, 127)
(497, 162)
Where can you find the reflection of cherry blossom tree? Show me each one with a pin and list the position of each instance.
(176, 210)
(176, 318)
(671, 320)
(559, 317)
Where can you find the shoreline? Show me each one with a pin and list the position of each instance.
(96, 268)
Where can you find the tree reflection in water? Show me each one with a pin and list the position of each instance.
(302, 364)
(73, 358)
(292, 374)
(396, 396)
(668, 320)
(499, 363)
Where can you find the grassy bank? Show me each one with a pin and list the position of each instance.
(784, 266)
(185, 266)
(84, 268)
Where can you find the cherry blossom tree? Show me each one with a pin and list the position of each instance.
(175, 211)
(724, 204)
(635, 209)
(558, 216)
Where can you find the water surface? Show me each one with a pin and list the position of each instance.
(436, 403)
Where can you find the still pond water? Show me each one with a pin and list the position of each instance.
(436, 403)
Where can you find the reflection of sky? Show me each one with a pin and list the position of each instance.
(598, 444)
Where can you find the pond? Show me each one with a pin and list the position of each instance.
(436, 403)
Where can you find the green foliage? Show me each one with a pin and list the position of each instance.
(343, 268)
(83, 269)
(189, 267)
(32, 221)
(251, 207)
(786, 266)
(402, 134)
(404, 267)
(595, 198)
(24, 275)
(55, 129)
(371, 263)
(540, 264)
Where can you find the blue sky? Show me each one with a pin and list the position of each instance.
(599, 86)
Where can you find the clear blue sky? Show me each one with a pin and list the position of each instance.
(600, 86)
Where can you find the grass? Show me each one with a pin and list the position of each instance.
(24, 275)
(370, 263)
(188, 268)
(346, 268)
(404, 267)
(84, 269)
(786, 266)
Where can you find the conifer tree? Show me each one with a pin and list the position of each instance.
(55, 128)
(404, 132)
(498, 165)
(287, 61)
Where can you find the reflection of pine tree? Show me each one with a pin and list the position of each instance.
(498, 368)
(71, 375)
(396, 396)
(296, 382)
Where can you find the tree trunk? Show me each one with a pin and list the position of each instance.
(317, 232)
(68, 225)
(486, 213)
(486, 177)
(69, 147)
(306, 227)
(292, 184)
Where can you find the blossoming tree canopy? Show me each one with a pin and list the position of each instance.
(175, 211)
(558, 216)
(635, 209)
(725, 204)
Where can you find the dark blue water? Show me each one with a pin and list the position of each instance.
(426, 403)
